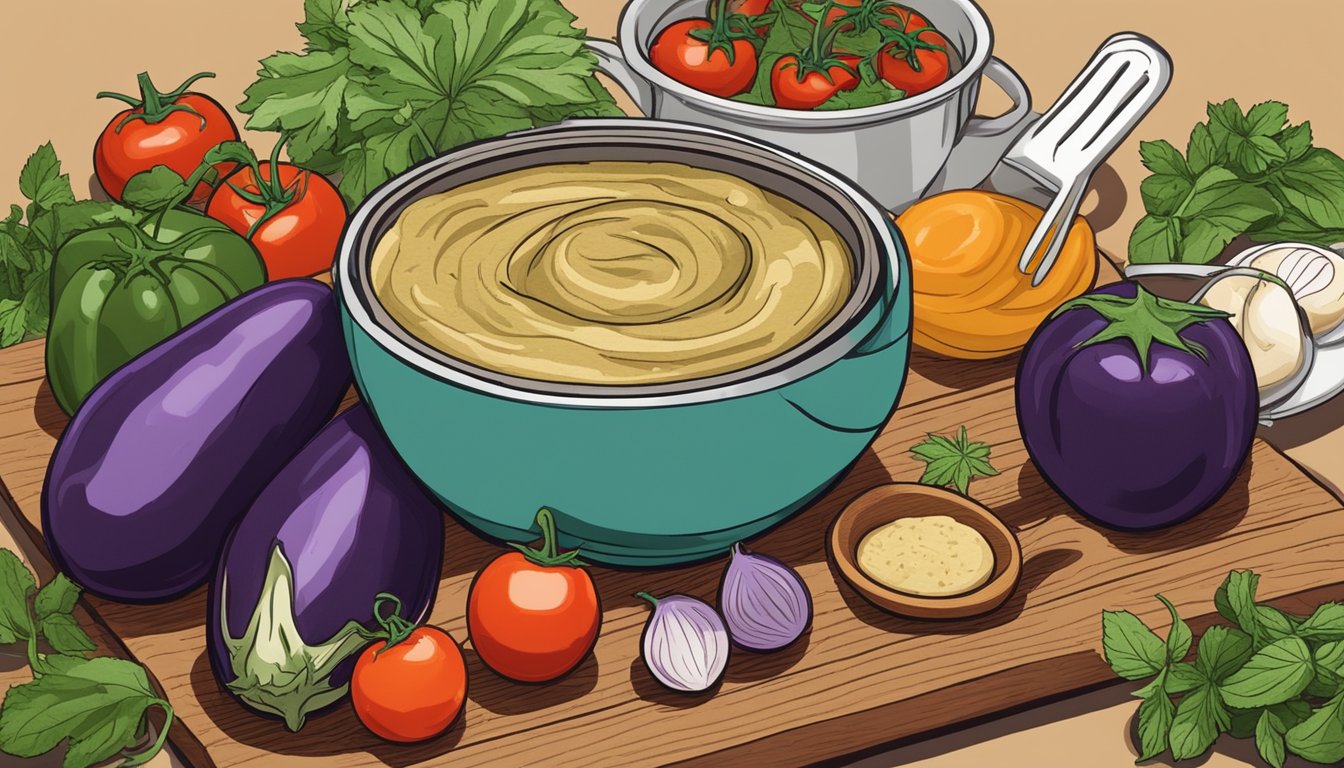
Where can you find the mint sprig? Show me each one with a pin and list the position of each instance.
(1246, 173)
(97, 706)
(1271, 676)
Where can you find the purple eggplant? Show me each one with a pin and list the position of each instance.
(1138, 410)
(292, 603)
(170, 450)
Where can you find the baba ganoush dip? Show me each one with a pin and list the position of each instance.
(611, 273)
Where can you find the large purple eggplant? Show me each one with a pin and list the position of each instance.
(292, 603)
(170, 450)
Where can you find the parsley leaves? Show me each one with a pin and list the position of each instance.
(384, 84)
(1274, 677)
(953, 461)
(29, 238)
(1250, 173)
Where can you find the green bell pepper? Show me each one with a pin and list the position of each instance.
(120, 289)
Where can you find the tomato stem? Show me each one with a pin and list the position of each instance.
(394, 626)
(153, 106)
(724, 29)
(271, 193)
(817, 57)
(549, 555)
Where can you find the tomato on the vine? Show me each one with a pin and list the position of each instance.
(812, 76)
(752, 8)
(716, 55)
(915, 58)
(798, 86)
(175, 129)
(293, 216)
(411, 687)
(533, 615)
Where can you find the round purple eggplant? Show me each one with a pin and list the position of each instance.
(170, 450)
(1138, 410)
(291, 605)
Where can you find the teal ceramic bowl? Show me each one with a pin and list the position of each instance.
(648, 475)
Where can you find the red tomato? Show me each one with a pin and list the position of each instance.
(300, 237)
(837, 12)
(174, 129)
(894, 65)
(533, 616)
(413, 690)
(905, 18)
(691, 62)
(751, 8)
(815, 87)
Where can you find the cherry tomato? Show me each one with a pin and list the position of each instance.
(533, 615)
(839, 11)
(815, 87)
(751, 8)
(413, 688)
(689, 61)
(296, 238)
(894, 65)
(175, 129)
(904, 19)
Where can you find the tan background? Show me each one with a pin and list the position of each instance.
(56, 54)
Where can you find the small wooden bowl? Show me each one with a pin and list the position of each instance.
(894, 501)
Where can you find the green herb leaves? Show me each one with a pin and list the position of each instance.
(953, 461)
(384, 84)
(1132, 649)
(28, 247)
(1246, 173)
(1273, 676)
(98, 705)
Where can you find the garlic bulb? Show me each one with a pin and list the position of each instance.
(1315, 275)
(685, 643)
(765, 603)
(1267, 320)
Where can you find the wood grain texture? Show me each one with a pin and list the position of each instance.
(860, 678)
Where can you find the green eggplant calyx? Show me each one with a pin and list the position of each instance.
(274, 669)
(1144, 319)
(152, 106)
(549, 555)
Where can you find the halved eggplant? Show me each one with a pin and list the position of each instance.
(291, 605)
(170, 450)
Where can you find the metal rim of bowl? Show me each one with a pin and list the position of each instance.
(972, 68)
(876, 253)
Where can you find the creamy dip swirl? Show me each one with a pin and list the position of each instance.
(611, 273)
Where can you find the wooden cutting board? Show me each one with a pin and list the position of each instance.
(860, 679)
